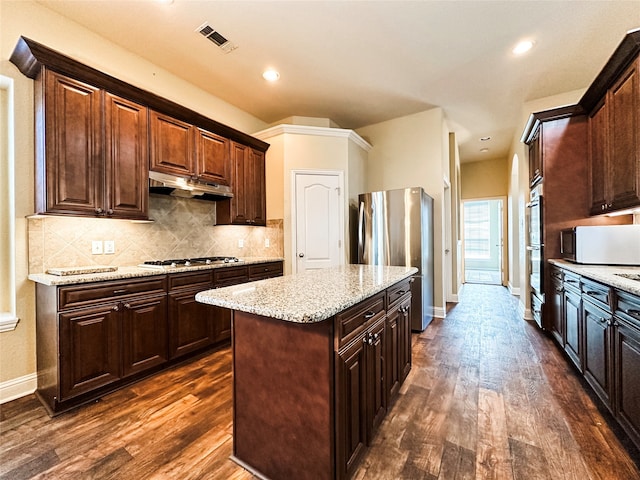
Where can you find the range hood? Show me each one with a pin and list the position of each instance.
(185, 188)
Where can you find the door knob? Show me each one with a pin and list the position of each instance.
(301, 255)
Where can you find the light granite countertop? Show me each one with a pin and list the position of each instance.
(308, 297)
(135, 271)
(606, 274)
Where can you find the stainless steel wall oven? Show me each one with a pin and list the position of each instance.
(535, 252)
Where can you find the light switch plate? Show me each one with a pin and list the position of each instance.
(109, 247)
(266, 242)
(96, 247)
(240, 243)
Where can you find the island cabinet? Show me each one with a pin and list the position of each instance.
(91, 150)
(248, 205)
(310, 394)
(93, 336)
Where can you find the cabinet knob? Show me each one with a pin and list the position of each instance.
(127, 306)
(301, 255)
(115, 308)
(99, 211)
(110, 211)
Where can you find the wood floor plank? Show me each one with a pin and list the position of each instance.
(493, 458)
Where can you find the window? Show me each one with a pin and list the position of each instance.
(477, 230)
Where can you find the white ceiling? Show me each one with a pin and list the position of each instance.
(363, 62)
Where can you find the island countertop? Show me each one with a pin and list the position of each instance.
(308, 297)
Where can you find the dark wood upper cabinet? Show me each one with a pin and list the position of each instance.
(213, 162)
(91, 153)
(69, 146)
(126, 153)
(598, 159)
(535, 158)
(172, 148)
(248, 206)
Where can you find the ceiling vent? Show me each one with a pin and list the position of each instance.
(211, 34)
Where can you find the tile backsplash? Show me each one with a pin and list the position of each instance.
(181, 228)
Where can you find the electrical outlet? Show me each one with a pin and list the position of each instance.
(96, 247)
(109, 247)
(266, 242)
(240, 243)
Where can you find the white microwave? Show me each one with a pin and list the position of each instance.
(602, 245)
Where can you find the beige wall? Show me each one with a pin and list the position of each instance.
(17, 348)
(485, 179)
(414, 151)
(314, 148)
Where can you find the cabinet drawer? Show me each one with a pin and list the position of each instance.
(597, 294)
(78, 295)
(572, 281)
(230, 275)
(556, 273)
(352, 321)
(181, 280)
(396, 292)
(628, 307)
(265, 270)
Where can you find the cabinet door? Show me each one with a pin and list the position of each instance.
(627, 380)
(597, 348)
(404, 337)
(89, 349)
(624, 131)
(73, 159)
(144, 334)
(598, 172)
(191, 324)
(171, 146)
(240, 164)
(126, 158)
(572, 309)
(255, 189)
(377, 390)
(535, 158)
(392, 360)
(555, 309)
(351, 406)
(213, 163)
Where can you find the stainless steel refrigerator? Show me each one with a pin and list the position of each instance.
(395, 227)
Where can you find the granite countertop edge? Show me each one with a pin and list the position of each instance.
(308, 297)
(604, 274)
(137, 272)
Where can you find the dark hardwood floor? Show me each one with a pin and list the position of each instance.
(489, 396)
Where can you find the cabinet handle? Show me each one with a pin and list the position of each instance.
(118, 292)
(401, 292)
(127, 306)
(593, 293)
(572, 281)
(115, 308)
(370, 339)
(632, 312)
(248, 221)
(369, 315)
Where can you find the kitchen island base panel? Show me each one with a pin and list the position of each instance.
(283, 397)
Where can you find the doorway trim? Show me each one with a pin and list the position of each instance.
(294, 212)
(504, 239)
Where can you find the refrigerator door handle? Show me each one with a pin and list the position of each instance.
(361, 234)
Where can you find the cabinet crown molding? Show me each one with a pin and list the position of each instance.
(31, 57)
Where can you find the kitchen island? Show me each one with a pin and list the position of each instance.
(318, 358)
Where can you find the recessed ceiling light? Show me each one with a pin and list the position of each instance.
(166, 2)
(522, 47)
(485, 139)
(484, 150)
(270, 75)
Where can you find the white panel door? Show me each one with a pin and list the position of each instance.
(318, 214)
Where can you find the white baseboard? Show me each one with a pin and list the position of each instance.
(439, 312)
(453, 298)
(515, 291)
(18, 387)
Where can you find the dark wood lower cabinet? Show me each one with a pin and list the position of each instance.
(627, 377)
(557, 323)
(93, 338)
(89, 349)
(597, 350)
(572, 305)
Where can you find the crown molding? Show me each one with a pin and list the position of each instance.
(317, 131)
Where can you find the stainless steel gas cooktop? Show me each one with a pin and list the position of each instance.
(188, 262)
